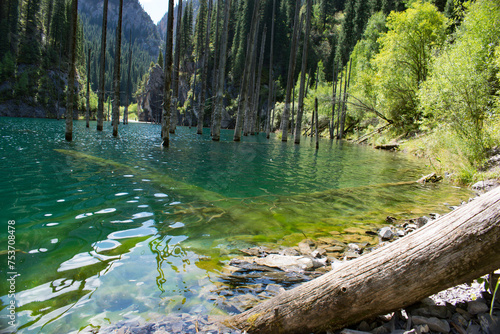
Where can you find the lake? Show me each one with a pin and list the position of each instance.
(112, 228)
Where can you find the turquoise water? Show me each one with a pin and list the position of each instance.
(109, 229)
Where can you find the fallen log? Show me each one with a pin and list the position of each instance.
(458, 247)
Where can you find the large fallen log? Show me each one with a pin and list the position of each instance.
(460, 246)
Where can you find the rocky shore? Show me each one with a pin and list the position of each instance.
(261, 273)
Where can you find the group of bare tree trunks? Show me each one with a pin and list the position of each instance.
(167, 92)
(116, 79)
(456, 248)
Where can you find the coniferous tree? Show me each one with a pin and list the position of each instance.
(100, 103)
(116, 80)
(29, 52)
(347, 38)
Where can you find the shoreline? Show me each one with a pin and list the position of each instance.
(460, 309)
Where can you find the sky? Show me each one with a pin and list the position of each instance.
(155, 8)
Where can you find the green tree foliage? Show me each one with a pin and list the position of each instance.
(404, 60)
(460, 92)
(29, 52)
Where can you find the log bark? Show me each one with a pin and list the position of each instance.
(458, 247)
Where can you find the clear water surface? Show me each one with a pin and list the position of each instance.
(113, 228)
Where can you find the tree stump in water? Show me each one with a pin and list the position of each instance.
(456, 248)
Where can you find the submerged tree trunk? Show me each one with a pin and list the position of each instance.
(87, 111)
(334, 91)
(256, 118)
(102, 69)
(116, 100)
(167, 91)
(125, 111)
(245, 86)
(177, 57)
(453, 249)
(221, 74)
(291, 70)
(300, 111)
(72, 71)
(204, 68)
(344, 104)
(271, 81)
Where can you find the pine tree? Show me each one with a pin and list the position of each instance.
(204, 67)
(175, 79)
(29, 52)
(271, 80)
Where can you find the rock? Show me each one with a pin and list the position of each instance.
(364, 326)
(274, 288)
(433, 177)
(459, 320)
(318, 263)
(485, 185)
(355, 247)
(438, 311)
(318, 252)
(285, 263)
(352, 331)
(391, 220)
(350, 255)
(400, 233)
(305, 248)
(435, 324)
(386, 233)
(489, 323)
(473, 329)
(421, 221)
(422, 329)
(290, 252)
(435, 215)
(476, 307)
(380, 330)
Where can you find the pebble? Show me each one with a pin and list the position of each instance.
(476, 307)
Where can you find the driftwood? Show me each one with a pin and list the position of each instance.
(458, 247)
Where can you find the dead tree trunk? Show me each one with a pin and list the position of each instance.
(125, 110)
(204, 68)
(254, 127)
(116, 81)
(298, 126)
(221, 74)
(175, 96)
(72, 72)
(291, 70)
(167, 91)
(102, 68)
(87, 111)
(332, 122)
(458, 247)
(270, 95)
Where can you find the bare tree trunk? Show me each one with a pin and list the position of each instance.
(87, 112)
(334, 90)
(344, 105)
(72, 71)
(291, 69)
(204, 68)
(300, 112)
(271, 81)
(125, 110)
(167, 91)
(453, 249)
(102, 69)
(116, 100)
(340, 105)
(221, 74)
(244, 98)
(177, 57)
(256, 118)
(216, 62)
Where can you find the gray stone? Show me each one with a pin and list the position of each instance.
(489, 323)
(400, 233)
(274, 288)
(354, 247)
(290, 252)
(435, 324)
(352, 331)
(380, 330)
(364, 326)
(318, 252)
(459, 320)
(386, 233)
(474, 329)
(476, 307)
(421, 221)
(350, 255)
(305, 248)
(292, 263)
(438, 311)
(422, 329)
